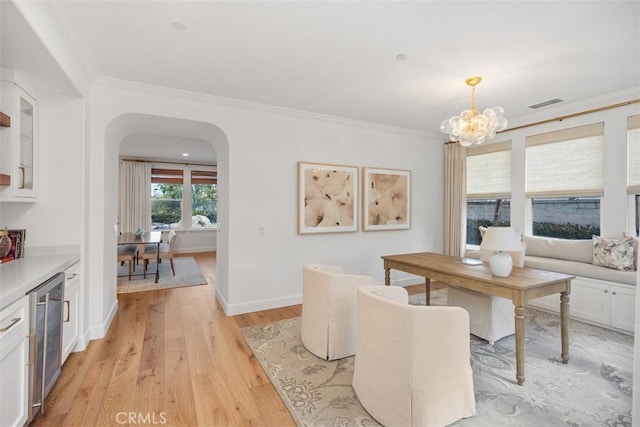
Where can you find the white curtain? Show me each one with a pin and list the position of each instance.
(135, 196)
(455, 195)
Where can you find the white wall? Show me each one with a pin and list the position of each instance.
(257, 189)
(190, 241)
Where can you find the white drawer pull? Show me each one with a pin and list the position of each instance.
(13, 322)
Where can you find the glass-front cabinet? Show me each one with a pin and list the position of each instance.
(18, 152)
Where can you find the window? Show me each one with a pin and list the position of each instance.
(488, 187)
(565, 181)
(166, 198)
(204, 199)
(633, 165)
(184, 192)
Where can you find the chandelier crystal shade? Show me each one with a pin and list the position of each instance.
(472, 127)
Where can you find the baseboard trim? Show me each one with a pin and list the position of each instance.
(100, 331)
(252, 306)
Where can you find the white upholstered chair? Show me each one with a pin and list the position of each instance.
(329, 310)
(491, 317)
(166, 252)
(412, 363)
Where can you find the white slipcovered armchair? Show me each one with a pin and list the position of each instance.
(413, 363)
(491, 317)
(329, 310)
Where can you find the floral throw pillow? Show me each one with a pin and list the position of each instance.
(636, 247)
(613, 253)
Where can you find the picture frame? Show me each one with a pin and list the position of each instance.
(386, 199)
(327, 198)
(17, 245)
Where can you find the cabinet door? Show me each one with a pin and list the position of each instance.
(18, 144)
(590, 301)
(623, 307)
(25, 110)
(14, 356)
(70, 323)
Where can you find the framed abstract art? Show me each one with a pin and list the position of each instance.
(327, 198)
(386, 199)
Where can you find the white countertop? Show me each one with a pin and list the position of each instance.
(18, 277)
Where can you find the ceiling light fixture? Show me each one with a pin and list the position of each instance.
(185, 154)
(472, 127)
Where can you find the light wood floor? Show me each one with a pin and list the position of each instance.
(171, 357)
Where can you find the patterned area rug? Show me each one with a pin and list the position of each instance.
(594, 389)
(187, 274)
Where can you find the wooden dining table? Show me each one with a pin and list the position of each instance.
(522, 285)
(147, 238)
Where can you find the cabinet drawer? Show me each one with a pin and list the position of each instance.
(14, 319)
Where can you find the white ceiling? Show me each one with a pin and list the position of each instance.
(339, 57)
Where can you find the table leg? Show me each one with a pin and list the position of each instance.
(387, 276)
(519, 319)
(427, 284)
(158, 263)
(564, 325)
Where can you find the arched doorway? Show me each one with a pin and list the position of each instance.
(134, 125)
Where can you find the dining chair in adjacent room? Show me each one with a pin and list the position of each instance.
(166, 252)
(128, 254)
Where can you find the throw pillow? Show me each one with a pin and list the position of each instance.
(635, 249)
(613, 253)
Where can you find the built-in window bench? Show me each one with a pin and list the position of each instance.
(599, 295)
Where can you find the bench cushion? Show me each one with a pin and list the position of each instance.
(564, 249)
(581, 269)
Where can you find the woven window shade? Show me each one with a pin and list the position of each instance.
(489, 171)
(204, 177)
(166, 176)
(566, 163)
(633, 182)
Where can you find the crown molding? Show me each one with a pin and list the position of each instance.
(254, 106)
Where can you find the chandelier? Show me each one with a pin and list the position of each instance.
(472, 127)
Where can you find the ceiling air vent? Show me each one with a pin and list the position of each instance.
(545, 103)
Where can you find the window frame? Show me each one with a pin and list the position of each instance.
(564, 136)
(204, 177)
(500, 189)
(169, 173)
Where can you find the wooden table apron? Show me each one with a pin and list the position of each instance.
(521, 286)
(148, 238)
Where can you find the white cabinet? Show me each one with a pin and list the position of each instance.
(70, 316)
(14, 356)
(623, 307)
(596, 301)
(18, 143)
